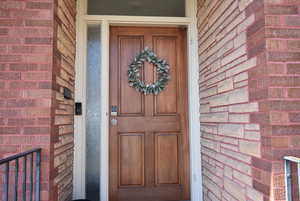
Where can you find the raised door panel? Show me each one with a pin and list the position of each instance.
(130, 102)
(131, 160)
(167, 158)
(166, 101)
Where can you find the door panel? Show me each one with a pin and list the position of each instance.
(151, 124)
(161, 44)
(167, 158)
(149, 144)
(128, 48)
(131, 159)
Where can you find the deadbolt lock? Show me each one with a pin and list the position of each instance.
(114, 111)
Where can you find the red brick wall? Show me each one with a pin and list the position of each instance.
(282, 104)
(258, 91)
(274, 85)
(36, 62)
(26, 29)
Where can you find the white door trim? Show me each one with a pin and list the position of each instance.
(80, 93)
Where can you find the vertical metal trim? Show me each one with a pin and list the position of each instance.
(6, 182)
(24, 177)
(298, 174)
(31, 178)
(38, 176)
(288, 182)
(16, 180)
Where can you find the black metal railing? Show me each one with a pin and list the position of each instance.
(15, 165)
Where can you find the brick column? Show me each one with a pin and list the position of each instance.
(26, 36)
(274, 85)
(37, 42)
(282, 104)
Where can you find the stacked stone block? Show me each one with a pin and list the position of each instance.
(63, 109)
(230, 139)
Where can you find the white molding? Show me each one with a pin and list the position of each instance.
(104, 150)
(140, 20)
(80, 94)
(194, 104)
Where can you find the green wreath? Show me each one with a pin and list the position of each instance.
(162, 69)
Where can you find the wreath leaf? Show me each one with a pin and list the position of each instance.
(162, 70)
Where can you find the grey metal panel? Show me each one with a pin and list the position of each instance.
(288, 180)
(93, 113)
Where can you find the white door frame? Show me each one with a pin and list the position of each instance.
(80, 93)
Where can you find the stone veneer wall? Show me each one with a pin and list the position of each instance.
(250, 65)
(37, 50)
(231, 138)
(62, 136)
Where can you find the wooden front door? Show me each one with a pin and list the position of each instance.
(149, 153)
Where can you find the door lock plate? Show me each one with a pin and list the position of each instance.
(114, 111)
